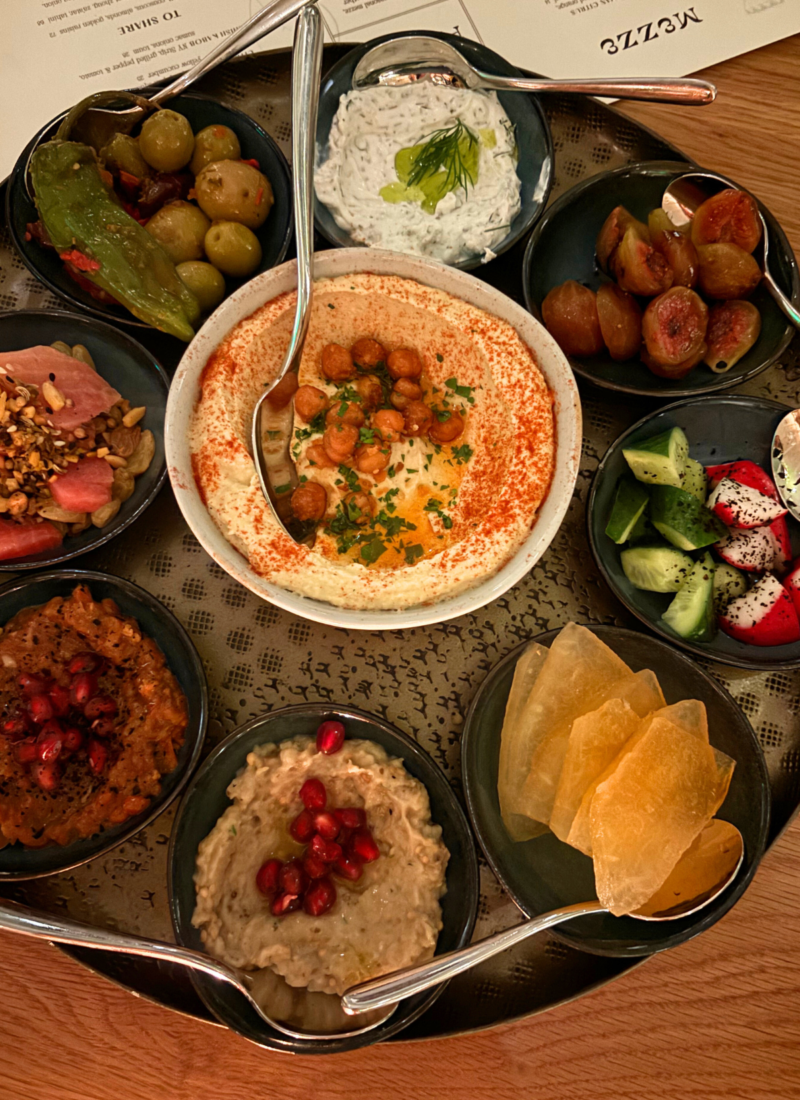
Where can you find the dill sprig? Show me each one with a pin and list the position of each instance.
(446, 149)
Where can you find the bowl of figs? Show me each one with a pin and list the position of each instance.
(644, 305)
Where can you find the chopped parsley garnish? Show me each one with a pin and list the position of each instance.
(412, 471)
(366, 435)
(315, 426)
(460, 391)
(435, 506)
(413, 552)
(283, 488)
(373, 550)
(439, 358)
(331, 305)
(351, 477)
(347, 393)
(442, 415)
(463, 453)
(391, 471)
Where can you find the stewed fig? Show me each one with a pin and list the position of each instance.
(733, 328)
(620, 321)
(731, 217)
(681, 255)
(658, 224)
(612, 232)
(677, 370)
(727, 271)
(570, 315)
(638, 268)
(674, 326)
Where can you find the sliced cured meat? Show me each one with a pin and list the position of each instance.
(90, 394)
(23, 538)
(85, 486)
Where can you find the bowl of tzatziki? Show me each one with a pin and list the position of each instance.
(457, 175)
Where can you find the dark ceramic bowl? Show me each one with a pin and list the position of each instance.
(534, 141)
(131, 370)
(17, 862)
(563, 247)
(274, 235)
(719, 429)
(545, 874)
(206, 801)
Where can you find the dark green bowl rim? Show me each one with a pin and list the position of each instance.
(159, 804)
(720, 381)
(471, 263)
(743, 880)
(395, 1023)
(708, 651)
(104, 535)
(120, 315)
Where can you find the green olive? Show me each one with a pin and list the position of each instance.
(180, 229)
(204, 281)
(233, 248)
(214, 143)
(123, 154)
(166, 141)
(232, 191)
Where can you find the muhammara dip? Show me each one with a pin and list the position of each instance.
(466, 506)
(388, 919)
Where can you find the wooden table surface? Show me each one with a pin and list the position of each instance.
(716, 1019)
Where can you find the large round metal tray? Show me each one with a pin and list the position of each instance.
(258, 657)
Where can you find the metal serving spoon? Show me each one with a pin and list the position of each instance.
(273, 416)
(418, 57)
(689, 191)
(699, 877)
(98, 124)
(786, 461)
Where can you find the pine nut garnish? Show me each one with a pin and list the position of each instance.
(132, 418)
(53, 397)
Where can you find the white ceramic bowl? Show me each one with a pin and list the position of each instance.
(184, 393)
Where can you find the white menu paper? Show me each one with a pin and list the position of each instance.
(55, 52)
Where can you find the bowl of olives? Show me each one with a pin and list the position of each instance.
(641, 307)
(204, 181)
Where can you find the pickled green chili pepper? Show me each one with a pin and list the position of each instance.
(89, 227)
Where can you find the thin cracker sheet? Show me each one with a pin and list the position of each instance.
(515, 752)
(648, 812)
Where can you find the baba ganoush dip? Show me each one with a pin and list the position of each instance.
(388, 919)
(361, 178)
(445, 516)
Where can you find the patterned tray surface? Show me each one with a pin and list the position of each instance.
(258, 657)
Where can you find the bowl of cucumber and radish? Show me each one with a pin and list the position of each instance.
(688, 530)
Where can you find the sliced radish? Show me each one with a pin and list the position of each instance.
(779, 529)
(746, 473)
(764, 616)
(792, 584)
(752, 550)
(740, 506)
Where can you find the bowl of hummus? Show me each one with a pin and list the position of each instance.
(420, 522)
(402, 886)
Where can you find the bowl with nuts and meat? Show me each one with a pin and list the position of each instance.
(81, 435)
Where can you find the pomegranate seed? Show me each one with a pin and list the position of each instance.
(84, 662)
(320, 897)
(302, 828)
(33, 684)
(47, 775)
(84, 686)
(364, 846)
(292, 878)
(49, 742)
(41, 709)
(327, 850)
(73, 739)
(312, 794)
(103, 727)
(16, 725)
(351, 817)
(326, 825)
(100, 706)
(315, 867)
(59, 697)
(98, 755)
(25, 751)
(267, 877)
(284, 903)
(349, 867)
(330, 737)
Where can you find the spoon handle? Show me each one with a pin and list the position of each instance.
(270, 17)
(688, 91)
(46, 926)
(781, 299)
(414, 979)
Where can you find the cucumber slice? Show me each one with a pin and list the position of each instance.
(691, 613)
(660, 460)
(729, 583)
(683, 520)
(629, 504)
(656, 568)
(643, 530)
(694, 480)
